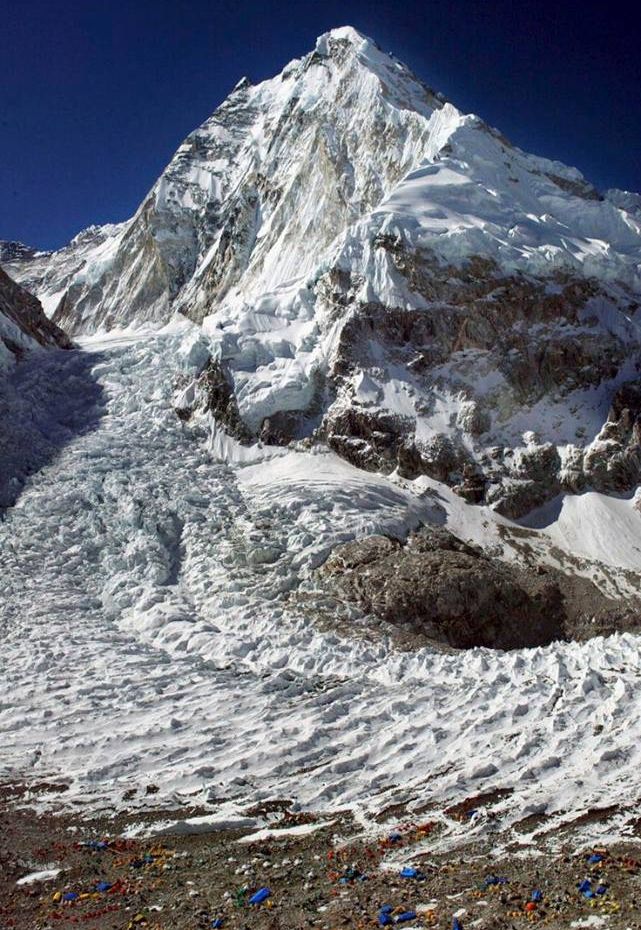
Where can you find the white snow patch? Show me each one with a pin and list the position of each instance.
(275, 833)
(593, 920)
(45, 875)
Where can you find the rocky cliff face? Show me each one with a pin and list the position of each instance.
(378, 271)
(501, 386)
(23, 324)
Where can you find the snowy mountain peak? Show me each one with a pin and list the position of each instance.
(374, 267)
(254, 196)
(346, 41)
(266, 190)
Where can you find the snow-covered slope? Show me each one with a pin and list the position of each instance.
(474, 194)
(375, 269)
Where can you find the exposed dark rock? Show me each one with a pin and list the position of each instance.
(533, 337)
(454, 594)
(279, 428)
(442, 458)
(612, 463)
(472, 487)
(533, 479)
(284, 426)
(183, 413)
(221, 401)
(572, 476)
(515, 498)
(626, 403)
(410, 463)
(448, 591)
(580, 188)
(369, 440)
(437, 538)
(25, 310)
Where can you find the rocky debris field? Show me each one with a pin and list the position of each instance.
(301, 870)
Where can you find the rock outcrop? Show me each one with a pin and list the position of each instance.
(23, 324)
(452, 593)
(485, 354)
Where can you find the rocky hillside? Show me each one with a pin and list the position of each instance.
(376, 270)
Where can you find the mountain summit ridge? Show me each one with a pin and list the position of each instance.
(240, 175)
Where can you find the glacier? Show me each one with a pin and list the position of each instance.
(337, 243)
(158, 626)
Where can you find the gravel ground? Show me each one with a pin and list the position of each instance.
(330, 878)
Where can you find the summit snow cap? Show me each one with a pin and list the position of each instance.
(345, 42)
(343, 34)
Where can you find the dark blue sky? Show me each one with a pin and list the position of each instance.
(95, 95)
